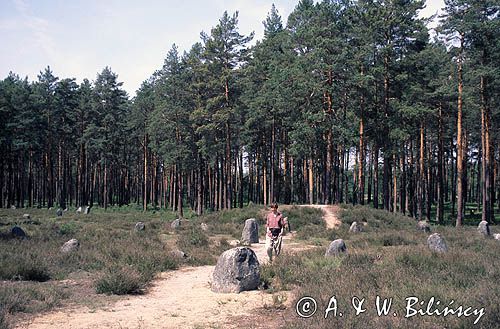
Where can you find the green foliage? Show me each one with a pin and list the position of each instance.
(120, 281)
(69, 228)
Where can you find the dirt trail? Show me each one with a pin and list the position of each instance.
(329, 214)
(177, 299)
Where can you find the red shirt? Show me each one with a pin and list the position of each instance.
(274, 220)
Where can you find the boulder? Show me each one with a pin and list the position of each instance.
(423, 225)
(26, 216)
(178, 254)
(71, 245)
(175, 224)
(12, 207)
(140, 226)
(436, 243)
(496, 236)
(204, 227)
(87, 210)
(484, 228)
(335, 248)
(356, 228)
(250, 232)
(79, 210)
(18, 232)
(59, 212)
(237, 270)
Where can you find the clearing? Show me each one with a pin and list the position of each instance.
(183, 299)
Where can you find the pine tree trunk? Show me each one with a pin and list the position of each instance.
(370, 176)
(241, 186)
(145, 177)
(264, 176)
(375, 177)
(311, 181)
(421, 174)
(440, 187)
(460, 143)
(328, 171)
(361, 161)
(394, 185)
(486, 153)
(179, 194)
(272, 197)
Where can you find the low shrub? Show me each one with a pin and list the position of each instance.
(29, 297)
(121, 281)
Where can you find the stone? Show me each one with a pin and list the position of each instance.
(250, 232)
(484, 228)
(178, 254)
(71, 245)
(79, 210)
(237, 270)
(140, 226)
(175, 224)
(26, 216)
(356, 228)
(18, 232)
(59, 212)
(335, 248)
(204, 227)
(87, 210)
(12, 207)
(234, 243)
(65, 209)
(496, 236)
(423, 225)
(436, 243)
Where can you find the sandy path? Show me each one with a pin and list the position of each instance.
(177, 299)
(329, 214)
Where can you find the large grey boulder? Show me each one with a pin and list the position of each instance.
(436, 243)
(335, 248)
(71, 245)
(250, 232)
(175, 224)
(484, 228)
(423, 225)
(140, 226)
(356, 228)
(18, 232)
(87, 210)
(237, 270)
(59, 212)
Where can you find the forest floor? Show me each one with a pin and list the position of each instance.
(183, 299)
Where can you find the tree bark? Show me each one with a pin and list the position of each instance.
(460, 143)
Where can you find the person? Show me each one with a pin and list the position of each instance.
(275, 226)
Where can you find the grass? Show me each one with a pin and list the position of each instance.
(391, 259)
(119, 259)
